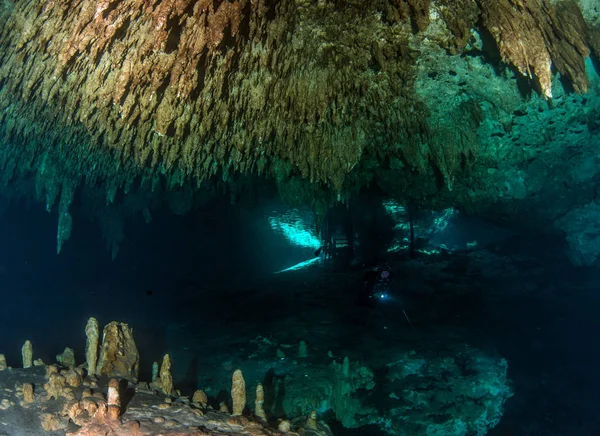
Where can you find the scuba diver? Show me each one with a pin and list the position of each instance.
(376, 285)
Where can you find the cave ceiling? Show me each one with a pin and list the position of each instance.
(487, 105)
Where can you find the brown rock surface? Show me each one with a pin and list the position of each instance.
(533, 35)
(90, 416)
(119, 356)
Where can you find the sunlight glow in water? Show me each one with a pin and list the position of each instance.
(299, 266)
(296, 228)
(441, 221)
(393, 207)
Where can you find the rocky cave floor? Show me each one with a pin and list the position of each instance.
(519, 303)
(145, 413)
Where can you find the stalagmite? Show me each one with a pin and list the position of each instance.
(311, 421)
(27, 354)
(238, 392)
(67, 358)
(200, 397)
(92, 332)
(259, 409)
(28, 396)
(285, 426)
(119, 356)
(166, 379)
(113, 399)
(155, 369)
(302, 350)
(346, 367)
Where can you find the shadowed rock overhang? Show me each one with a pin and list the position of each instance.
(173, 97)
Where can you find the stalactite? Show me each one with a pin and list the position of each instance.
(535, 35)
(176, 96)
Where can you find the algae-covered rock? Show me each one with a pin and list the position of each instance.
(458, 391)
(582, 232)
(460, 394)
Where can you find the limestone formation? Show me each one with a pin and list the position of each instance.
(200, 397)
(67, 358)
(311, 421)
(119, 356)
(259, 409)
(51, 369)
(55, 386)
(92, 333)
(65, 406)
(536, 35)
(165, 379)
(238, 392)
(53, 422)
(302, 350)
(155, 369)
(3, 364)
(113, 399)
(285, 426)
(170, 99)
(346, 367)
(28, 395)
(223, 407)
(72, 377)
(27, 354)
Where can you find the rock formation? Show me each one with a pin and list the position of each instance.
(259, 409)
(199, 397)
(119, 356)
(302, 350)
(165, 380)
(238, 392)
(28, 395)
(113, 400)
(82, 409)
(67, 358)
(92, 333)
(27, 354)
(155, 371)
(163, 100)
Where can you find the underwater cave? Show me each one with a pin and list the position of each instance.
(302, 217)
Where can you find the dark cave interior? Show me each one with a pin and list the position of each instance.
(204, 285)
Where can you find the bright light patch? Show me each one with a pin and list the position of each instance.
(299, 266)
(393, 207)
(430, 252)
(441, 222)
(404, 226)
(296, 228)
(384, 297)
(397, 248)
